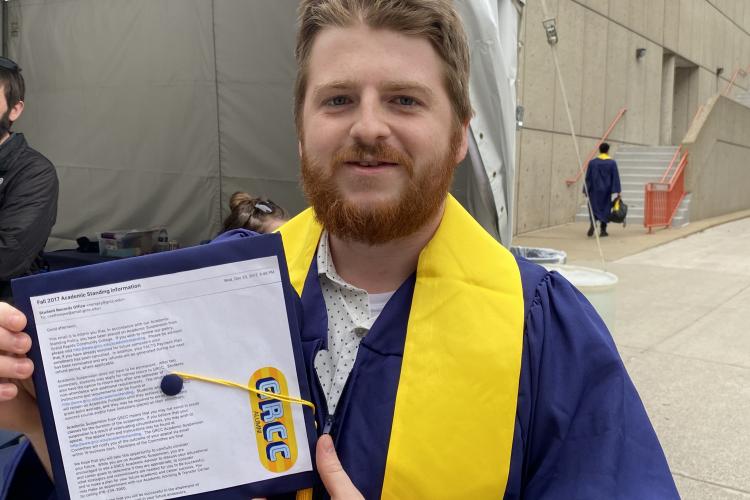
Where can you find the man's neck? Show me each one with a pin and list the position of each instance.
(381, 268)
(4, 138)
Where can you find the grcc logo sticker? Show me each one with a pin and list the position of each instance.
(274, 429)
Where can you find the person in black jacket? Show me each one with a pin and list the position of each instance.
(28, 189)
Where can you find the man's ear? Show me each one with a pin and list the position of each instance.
(463, 146)
(15, 111)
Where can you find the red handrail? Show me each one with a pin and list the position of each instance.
(674, 158)
(575, 179)
(737, 72)
(662, 199)
(679, 149)
(680, 169)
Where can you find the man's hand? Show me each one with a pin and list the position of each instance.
(18, 408)
(338, 484)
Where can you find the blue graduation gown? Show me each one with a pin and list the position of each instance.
(581, 430)
(602, 179)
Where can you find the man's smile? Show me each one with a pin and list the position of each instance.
(369, 167)
(371, 163)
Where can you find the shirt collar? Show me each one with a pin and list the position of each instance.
(325, 262)
(7, 139)
(8, 148)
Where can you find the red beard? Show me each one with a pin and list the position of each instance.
(423, 195)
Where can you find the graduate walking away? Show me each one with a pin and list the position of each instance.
(440, 365)
(602, 181)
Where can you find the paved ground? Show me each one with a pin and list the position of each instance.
(683, 311)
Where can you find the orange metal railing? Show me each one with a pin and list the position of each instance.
(594, 152)
(663, 198)
(731, 82)
(738, 72)
(671, 163)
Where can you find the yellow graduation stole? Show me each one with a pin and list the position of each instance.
(604, 156)
(455, 410)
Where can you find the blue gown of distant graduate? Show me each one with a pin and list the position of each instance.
(581, 431)
(602, 179)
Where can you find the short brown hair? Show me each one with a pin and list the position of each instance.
(434, 20)
(12, 82)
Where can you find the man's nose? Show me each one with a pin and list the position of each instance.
(370, 126)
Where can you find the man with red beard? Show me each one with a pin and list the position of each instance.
(440, 366)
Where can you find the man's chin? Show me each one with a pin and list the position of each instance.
(371, 202)
(376, 223)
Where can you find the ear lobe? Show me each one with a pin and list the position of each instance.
(15, 111)
(463, 146)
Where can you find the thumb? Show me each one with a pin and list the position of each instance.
(336, 481)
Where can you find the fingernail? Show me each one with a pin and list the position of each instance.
(17, 320)
(22, 343)
(327, 443)
(24, 367)
(6, 392)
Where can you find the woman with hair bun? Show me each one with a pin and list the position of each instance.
(254, 213)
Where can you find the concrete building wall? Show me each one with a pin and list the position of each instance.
(597, 54)
(718, 165)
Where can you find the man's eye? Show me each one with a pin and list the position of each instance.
(406, 101)
(339, 100)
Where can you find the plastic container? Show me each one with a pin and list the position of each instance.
(540, 256)
(596, 285)
(129, 242)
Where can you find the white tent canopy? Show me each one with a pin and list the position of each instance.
(155, 111)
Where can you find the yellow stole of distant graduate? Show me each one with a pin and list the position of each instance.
(455, 411)
(604, 156)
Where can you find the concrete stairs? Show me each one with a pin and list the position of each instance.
(639, 165)
(743, 98)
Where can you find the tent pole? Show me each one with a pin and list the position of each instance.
(218, 113)
(5, 27)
